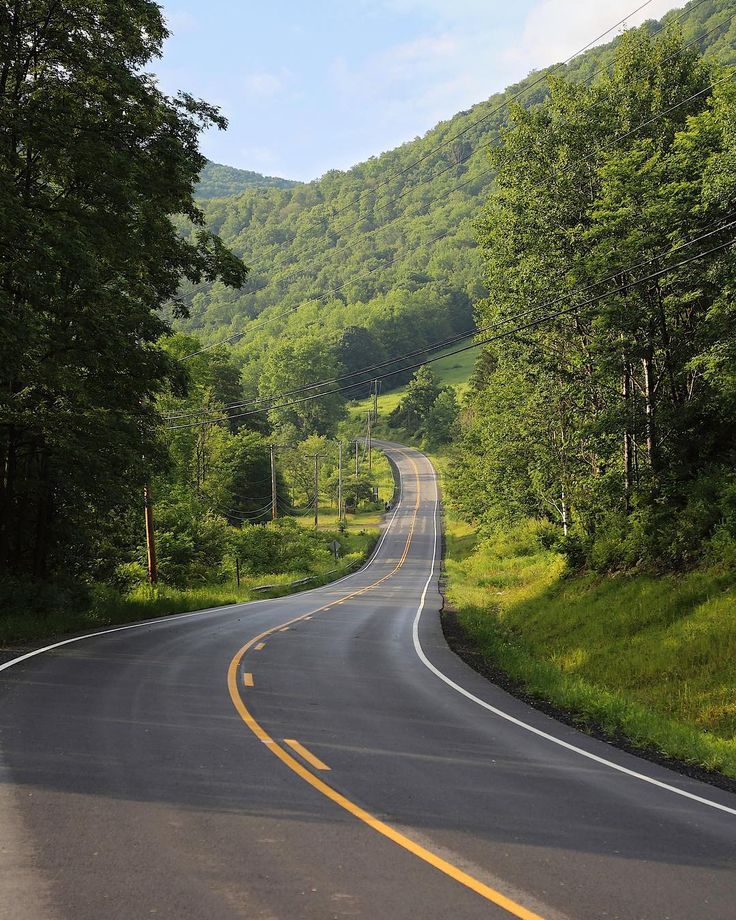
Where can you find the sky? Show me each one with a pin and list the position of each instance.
(313, 85)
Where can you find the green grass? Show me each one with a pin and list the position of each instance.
(111, 608)
(650, 658)
(455, 370)
(452, 370)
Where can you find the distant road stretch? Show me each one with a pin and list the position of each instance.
(326, 755)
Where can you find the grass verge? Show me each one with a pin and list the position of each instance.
(56, 615)
(650, 660)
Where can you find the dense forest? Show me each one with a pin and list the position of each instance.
(607, 402)
(97, 165)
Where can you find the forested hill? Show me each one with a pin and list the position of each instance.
(218, 181)
(372, 231)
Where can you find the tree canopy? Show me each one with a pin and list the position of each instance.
(94, 162)
(616, 418)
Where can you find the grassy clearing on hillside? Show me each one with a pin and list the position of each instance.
(652, 659)
(111, 608)
(452, 370)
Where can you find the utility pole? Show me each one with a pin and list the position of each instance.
(274, 503)
(316, 489)
(370, 456)
(339, 481)
(150, 536)
(356, 458)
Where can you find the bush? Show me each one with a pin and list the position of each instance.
(128, 576)
(280, 547)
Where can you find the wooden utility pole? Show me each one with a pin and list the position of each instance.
(316, 489)
(274, 497)
(370, 455)
(150, 536)
(339, 481)
(356, 458)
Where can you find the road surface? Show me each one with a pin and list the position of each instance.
(326, 755)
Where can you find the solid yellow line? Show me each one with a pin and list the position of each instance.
(485, 891)
(306, 755)
(248, 679)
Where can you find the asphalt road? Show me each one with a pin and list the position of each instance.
(326, 755)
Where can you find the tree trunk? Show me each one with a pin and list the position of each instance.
(627, 444)
(650, 408)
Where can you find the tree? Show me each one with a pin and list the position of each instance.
(611, 418)
(94, 160)
(240, 485)
(356, 348)
(421, 393)
(291, 366)
(442, 419)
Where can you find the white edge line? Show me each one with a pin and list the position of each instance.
(199, 613)
(525, 725)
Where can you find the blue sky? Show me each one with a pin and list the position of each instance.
(321, 84)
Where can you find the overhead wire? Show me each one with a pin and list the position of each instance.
(722, 222)
(532, 324)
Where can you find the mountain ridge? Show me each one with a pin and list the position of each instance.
(218, 180)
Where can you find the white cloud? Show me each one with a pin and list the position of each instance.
(181, 21)
(556, 29)
(413, 84)
(264, 85)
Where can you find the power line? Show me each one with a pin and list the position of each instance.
(470, 333)
(530, 325)
(462, 336)
(446, 233)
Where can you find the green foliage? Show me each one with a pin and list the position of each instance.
(399, 263)
(427, 409)
(291, 365)
(281, 547)
(615, 420)
(648, 658)
(218, 181)
(94, 161)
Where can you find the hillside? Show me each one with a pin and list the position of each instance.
(218, 181)
(370, 235)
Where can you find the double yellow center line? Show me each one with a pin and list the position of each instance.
(485, 891)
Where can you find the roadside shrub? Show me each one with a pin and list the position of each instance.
(280, 547)
(128, 576)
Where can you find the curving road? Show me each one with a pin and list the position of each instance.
(326, 755)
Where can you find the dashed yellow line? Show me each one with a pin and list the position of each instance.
(452, 871)
(260, 646)
(248, 679)
(306, 755)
